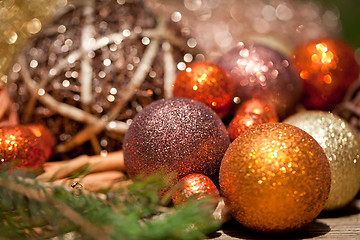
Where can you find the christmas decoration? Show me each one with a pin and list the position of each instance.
(175, 135)
(206, 83)
(92, 69)
(327, 67)
(275, 178)
(259, 106)
(20, 147)
(196, 186)
(342, 147)
(259, 71)
(8, 115)
(46, 139)
(216, 26)
(244, 121)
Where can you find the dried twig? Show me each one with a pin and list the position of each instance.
(169, 70)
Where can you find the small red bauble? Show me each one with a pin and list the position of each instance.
(19, 146)
(327, 67)
(206, 83)
(196, 186)
(46, 138)
(244, 121)
(261, 107)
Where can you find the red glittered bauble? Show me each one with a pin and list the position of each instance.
(244, 121)
(20, 147)
(259, 106)
(196, 186)
(327, 67)
(176, 135)
(46, 138)
(275, 178)
(259, 71)
(206, 83)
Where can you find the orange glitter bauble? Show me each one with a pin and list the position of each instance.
(327, 67)
(46, 138)
(259, 106)
(196, 186)
(206, 83)
(244, 121)
(20, 147)
(275, 178)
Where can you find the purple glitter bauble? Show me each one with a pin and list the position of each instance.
(259, 71)
(177, 135)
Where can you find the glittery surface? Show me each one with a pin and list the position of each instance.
(18, 145)
(206, 83)
(327, 67)
(46, 138)
(259, 71)
(244, 121)
(342, 147)
(178, 135)
(275, 178)
(195, 185)
(259, 106)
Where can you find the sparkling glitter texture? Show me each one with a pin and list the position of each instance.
(259, 71)
(275, 178)
(206, 83)
(244, 121)
(176, 135)
(19, 146)
(46, 138)
(327, 67)
(259, 106)
(196, 186)
(342, 147)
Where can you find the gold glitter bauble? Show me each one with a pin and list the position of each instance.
(342, 147)
(275, 178)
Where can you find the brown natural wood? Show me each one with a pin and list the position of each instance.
(342, 224)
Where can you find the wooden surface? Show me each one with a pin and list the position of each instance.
(344, 224)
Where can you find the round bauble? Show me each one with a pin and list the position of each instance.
(259, 71)
(176, 135)
(20, 147)
(328, 67)
(93, 68)
(259, 106)
(275, 178)
(206, 83)
(195, 186)
(46, 138)
(342, 147)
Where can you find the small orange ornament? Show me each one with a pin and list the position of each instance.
(327, 67)
(46, 138)
(275, 178)
(206, 83)
(244, 121)
(261, 107)
(19, 146)
(196, 186)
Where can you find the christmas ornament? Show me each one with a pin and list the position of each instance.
(19, 146)
(258, 71)
(216, 26)
(259, 106)
(342, 147)
(275, 178)
(206, 83)
(244, 121)
(178, 136)
(196, 186)
(327, 67)
(46, 138)
(92, 69)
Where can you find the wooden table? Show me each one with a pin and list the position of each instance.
(344, 224)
